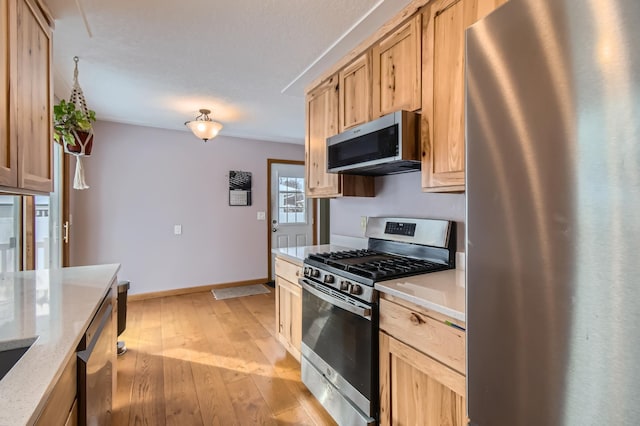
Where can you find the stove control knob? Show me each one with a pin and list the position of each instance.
(345, 285)
(315, 273)
(329, 279)
(307, 271)
(355, 289)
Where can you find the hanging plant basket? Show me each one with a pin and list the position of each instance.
(83, 146)
(72, 122)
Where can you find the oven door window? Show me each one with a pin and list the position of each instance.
(342, 339)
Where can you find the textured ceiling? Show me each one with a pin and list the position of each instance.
(156, 62)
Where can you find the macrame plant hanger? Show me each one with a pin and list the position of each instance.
(83, 142)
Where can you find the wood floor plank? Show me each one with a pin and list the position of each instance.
(273, 389)
(249, 406)
(215, 403)
(245, 317)
(212, 362)
(181, 404)
(220, 352)
(295, 416)
(147, 405)
(127, 363)
(181, 408)
(287, 368)
(262, 311)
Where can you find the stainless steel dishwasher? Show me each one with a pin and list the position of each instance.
(96, 355)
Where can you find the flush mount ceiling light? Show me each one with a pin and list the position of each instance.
(203, 126)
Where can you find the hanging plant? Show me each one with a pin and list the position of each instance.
(71, 127)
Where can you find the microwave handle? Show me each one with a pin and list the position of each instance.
(362, 312)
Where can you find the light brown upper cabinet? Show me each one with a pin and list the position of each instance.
(8, 154)
(322, 122)
(355, 92)
(397, 69)
(26, 144)
(443, 143)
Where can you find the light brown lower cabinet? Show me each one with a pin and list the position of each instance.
(422, 366)
(415, 389)
(59, 409)
(288, 306)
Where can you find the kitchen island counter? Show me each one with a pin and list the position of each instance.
(442, 292)
(56, 307)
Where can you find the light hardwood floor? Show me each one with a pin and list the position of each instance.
(194, 360)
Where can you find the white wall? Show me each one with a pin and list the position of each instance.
(143, 181)
(398, 195)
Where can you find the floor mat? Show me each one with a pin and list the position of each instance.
(245, 290)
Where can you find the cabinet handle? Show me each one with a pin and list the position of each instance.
(415, 319)
(297, 273)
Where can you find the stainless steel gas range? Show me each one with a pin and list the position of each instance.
(340, 309)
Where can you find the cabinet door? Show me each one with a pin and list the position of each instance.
(396, 70)
(289, 315)
(284, 310)
(355, 93)
(8, 152)
(322, 122)
(443, 97)
(418, 390)
(296, 319)
(33, 94)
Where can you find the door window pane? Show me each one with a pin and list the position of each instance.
(9, 233)
(291, 200)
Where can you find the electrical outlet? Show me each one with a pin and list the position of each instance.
(261, 216)
(363, 223)
(177, 229)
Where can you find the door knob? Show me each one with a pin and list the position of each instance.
(274, 229)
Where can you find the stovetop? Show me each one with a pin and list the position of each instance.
(375, 266)
(396, 248)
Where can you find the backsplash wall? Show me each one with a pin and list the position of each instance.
(398, 195)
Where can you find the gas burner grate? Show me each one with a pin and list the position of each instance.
(391, 268)
(376, 265)
(341, 255)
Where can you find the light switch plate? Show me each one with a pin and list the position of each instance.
(261, 216)
(177, 229)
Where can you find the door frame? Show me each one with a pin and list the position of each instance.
(314, 227)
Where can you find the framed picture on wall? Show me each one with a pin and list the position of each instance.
(239, 188)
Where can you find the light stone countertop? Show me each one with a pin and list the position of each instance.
(442, 292)
(298, 254)
(57, 307)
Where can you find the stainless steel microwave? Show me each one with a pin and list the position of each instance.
(387, 145)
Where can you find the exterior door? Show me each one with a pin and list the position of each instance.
(291, 216)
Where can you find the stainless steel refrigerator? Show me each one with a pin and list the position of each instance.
(553, 214)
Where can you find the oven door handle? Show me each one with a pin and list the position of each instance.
(362, 312)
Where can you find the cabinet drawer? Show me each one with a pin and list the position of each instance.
(430, 336)
(287, 270)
